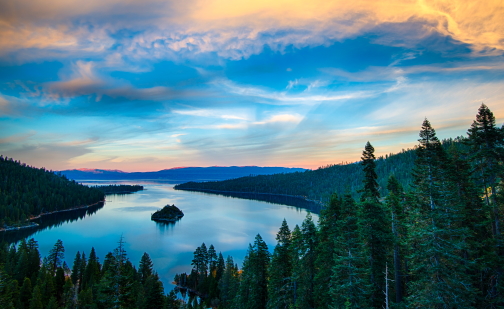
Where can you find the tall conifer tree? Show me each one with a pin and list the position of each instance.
(487, 147)
(330, 225)
(349, 285)
(440, 273)
(370, 189)
(373, 228)
(253, 292)
(280, 293)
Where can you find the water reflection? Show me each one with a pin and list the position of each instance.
(229, 222)
(50, 221)
(165, 228)
(270, 198)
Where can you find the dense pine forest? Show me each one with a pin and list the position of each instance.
(436, 243)
(27, 192)
(318, 185)
(27, 282)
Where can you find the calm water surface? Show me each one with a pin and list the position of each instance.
(228, 223)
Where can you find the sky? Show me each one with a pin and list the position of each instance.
(150, 85)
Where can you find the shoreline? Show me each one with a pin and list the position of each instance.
(258, 193)
(31, 224)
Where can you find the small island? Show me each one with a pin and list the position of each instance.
(167, 214)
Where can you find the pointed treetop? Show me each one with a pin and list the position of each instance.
(427, 135)
(370, 190)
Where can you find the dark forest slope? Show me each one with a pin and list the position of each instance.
(26, 191)
(319, 184)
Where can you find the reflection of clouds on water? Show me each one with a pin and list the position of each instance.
(227, 239)
(138, 208)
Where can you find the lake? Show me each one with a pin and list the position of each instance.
(227, 222)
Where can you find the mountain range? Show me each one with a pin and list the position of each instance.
(182, 174)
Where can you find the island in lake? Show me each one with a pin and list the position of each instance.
(168, 214)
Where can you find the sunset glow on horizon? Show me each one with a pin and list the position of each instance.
(151, 85)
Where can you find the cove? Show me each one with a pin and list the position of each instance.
(228, 222)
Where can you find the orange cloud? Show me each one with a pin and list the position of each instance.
(232, 26)
(477, 23)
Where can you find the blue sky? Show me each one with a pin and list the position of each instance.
(143, 86)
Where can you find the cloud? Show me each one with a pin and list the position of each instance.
(215, 113)
(274, 120)
(393, 72)
(84, 81)
(284, 98)
(16, 138)
(237, 29)
(13, 107)
(49, 155)
(283, 118)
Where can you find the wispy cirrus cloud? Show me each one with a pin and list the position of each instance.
(286, 98)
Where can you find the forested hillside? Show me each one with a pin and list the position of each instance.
(438, 244)
(26, 192)
(318, 185)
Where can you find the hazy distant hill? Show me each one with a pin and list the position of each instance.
(182, 174)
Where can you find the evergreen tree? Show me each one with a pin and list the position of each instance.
(394, 203)
(69, 298)
(212, 258)
(306, 274)
(280, 292)
(297, 252)
(92, 272)
(440, 274)
(5, 293)
(349, 286)
(56, 256)
(59, 283)
(171, 301)
(229, 283)
(34, 259)
(53, 303)
(145, 269)
(253, 290)
(486, 141)
(26, 293)
(221, 265)
(487, 145)
(85, 299)
(475, 217)
(36, 300)
(45, 282)
(370, 191)
(373, 228)
(82, 269)
(76, 268)
(329, 228)
(154, 294)
(200, 263)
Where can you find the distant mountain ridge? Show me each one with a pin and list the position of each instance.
(212, 173)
